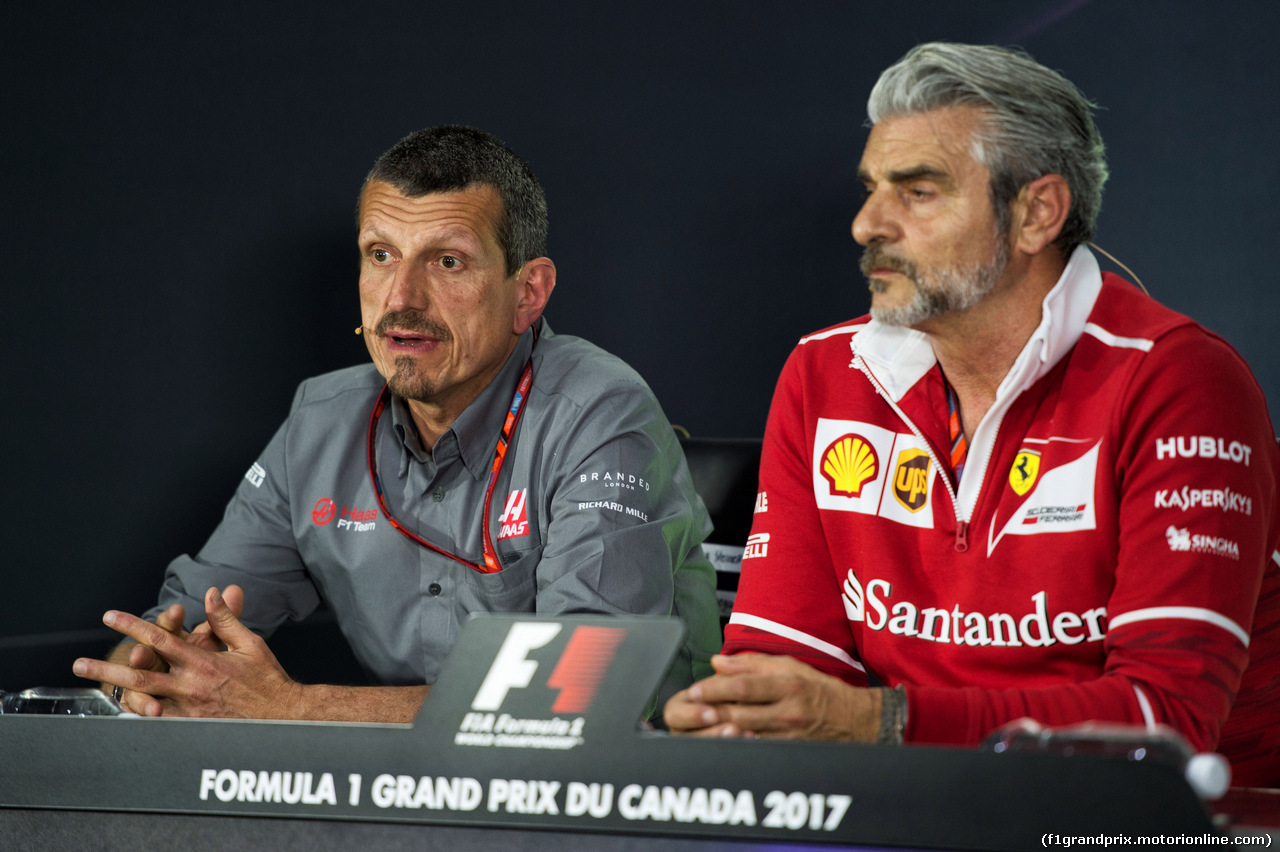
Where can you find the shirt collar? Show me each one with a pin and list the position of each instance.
(1063, 315)
(477, 428)
(904, 355)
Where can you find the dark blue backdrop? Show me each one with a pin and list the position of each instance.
(180, 182)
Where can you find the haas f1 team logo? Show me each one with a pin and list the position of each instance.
(350, 518)
(514, 520)
(324, 511)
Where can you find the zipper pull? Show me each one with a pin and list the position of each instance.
(962, 537)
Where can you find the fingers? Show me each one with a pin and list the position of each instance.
(173, 673)
(172, 618)
(683, 713)
(686, 716)
(743, 688)
(759, 695)
(203, 637)
(727, 730)
(757, 664)
(757, 721)
(138, 683)
(163, 643)
(731, 664)
(234, 596)
(142, 657)
(140, 703)
(223, 621)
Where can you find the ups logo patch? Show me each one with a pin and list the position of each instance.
(911, 479)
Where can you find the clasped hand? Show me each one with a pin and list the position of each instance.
(174, 673)
(758, 695)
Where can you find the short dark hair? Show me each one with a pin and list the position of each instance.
(453, 157)
(1035, 122)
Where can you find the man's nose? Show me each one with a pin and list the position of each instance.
(875, 222)
(408, 289)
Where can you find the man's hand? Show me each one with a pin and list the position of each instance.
(141, 656)
(144, 657)
(757, 695)
(178, 674)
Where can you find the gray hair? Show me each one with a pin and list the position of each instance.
(1036, 122)
(452, 157)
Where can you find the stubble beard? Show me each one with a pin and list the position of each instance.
(407, 380)
(938, 290)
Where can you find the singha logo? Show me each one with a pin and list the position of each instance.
(1178, 539)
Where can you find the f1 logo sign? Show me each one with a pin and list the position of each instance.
(583, 663)
(512, 668)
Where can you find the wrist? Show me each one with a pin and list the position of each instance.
(295, 701)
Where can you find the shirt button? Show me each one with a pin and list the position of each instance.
(438, 495)
(434, 589)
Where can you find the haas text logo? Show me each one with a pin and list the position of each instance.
(514, 520)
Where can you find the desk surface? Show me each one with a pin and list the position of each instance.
(498, 758)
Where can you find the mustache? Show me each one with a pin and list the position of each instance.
(411, 321)
(875, 257)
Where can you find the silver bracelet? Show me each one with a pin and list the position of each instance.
(893, 715)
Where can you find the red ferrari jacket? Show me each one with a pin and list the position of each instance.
(1109, 553)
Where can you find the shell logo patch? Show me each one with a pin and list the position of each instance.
(911, 479)
(864, 468)
(1026, 467)
(848, 464)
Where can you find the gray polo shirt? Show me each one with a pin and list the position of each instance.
(593, 511)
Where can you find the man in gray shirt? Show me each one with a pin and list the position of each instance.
(481, 463)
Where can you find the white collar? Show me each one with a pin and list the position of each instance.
(899, 357)
(904, 355)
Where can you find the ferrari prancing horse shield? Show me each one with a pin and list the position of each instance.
(1026, 467)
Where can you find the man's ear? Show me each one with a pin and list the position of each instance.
(537, 278)
(1040, 211)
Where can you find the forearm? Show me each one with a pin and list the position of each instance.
(1190, 692)
(326, 703)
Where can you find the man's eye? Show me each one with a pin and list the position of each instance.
(450, 262)
(380, 255)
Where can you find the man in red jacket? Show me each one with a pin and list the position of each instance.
(1021, 487)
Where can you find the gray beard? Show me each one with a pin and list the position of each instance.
(942, 291)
